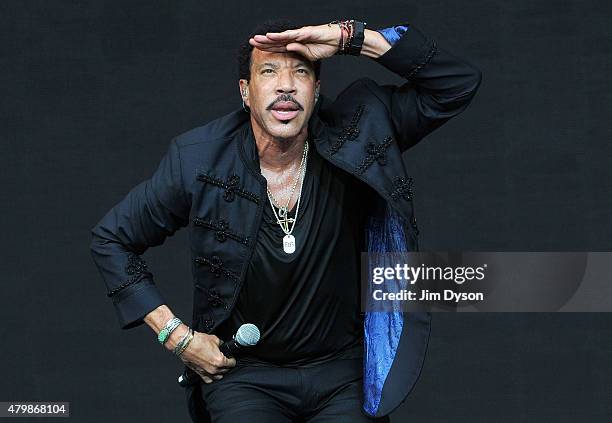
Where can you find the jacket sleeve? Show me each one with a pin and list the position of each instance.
(439, 85)
(150, 212)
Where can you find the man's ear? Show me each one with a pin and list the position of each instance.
(244, 88)
(244, 93)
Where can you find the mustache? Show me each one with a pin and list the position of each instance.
(285, 97)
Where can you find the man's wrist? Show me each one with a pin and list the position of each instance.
(374, 44)
(350, 37)
(158, 318)
(176, 336)
(337, 34)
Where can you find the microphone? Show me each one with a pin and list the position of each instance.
(247, 335)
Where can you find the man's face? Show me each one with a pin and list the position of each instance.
(281, 93)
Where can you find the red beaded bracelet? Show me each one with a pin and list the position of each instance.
(346, 34)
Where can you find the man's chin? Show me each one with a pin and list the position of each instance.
(285, 129)
(287, 136)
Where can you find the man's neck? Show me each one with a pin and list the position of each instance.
(279, 154)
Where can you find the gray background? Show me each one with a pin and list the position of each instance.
(92, 93)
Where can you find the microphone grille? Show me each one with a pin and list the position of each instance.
(247, 335)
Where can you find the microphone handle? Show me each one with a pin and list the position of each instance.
(188, 378)
(230, 348)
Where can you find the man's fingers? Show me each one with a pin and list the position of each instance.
(219, 363)
(208, 379)
(286, 35)
(280, 36)
(222, 361)
(215, 339)
(265, 40)
(214, 370)
(266, 46)
(297, 47)
(273, 49)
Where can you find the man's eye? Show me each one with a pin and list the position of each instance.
(266, 70)
(302, 70)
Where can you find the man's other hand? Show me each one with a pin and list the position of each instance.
(203, 356)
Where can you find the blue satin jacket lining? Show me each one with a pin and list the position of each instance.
(394, 33)
(382, 330)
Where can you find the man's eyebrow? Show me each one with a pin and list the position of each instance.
(276, 65)
(272, 65)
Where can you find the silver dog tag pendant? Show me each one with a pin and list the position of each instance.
(289, 244)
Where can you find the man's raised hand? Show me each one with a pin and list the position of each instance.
(313, 42)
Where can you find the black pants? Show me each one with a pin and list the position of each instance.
(326, 392)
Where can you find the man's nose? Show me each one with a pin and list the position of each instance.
(285, 83)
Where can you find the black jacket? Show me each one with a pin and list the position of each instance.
(210, 180)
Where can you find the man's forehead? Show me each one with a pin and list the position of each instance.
(259, 57)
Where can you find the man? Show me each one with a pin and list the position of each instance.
(281, 196)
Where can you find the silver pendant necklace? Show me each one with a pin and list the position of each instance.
(282, 217)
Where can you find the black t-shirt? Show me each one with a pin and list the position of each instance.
(307, 304)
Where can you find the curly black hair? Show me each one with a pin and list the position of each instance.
(276, 25)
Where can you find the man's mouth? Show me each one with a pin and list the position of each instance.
(285, 110)
(284, 114)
